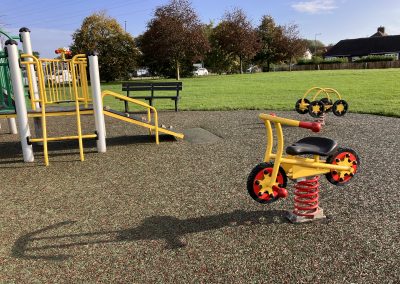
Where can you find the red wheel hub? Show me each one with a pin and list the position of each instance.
(344, 159)
(276, 190)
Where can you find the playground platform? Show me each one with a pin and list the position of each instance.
(179, 212)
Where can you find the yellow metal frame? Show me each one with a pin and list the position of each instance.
(72, 91)
(318, 92)
(150, 109)
(48, 114)
(295, 167)
(55, 92)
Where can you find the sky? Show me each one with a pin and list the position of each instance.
(52, 23)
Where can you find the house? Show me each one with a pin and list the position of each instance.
(379, 43)
(307, 55)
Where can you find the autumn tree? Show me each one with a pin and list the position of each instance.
(294, 45)
(174, 38)
(217, 59)
(116, 48)
(236, 36)
(271, 38)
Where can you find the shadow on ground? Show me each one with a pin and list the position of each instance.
(167, 228)
(14, 148)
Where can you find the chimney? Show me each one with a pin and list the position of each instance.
(381, 30)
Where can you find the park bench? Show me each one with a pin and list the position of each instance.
(129, 87)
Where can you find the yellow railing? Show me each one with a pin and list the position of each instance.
(149, 108)
(58, 81)
(61, 80)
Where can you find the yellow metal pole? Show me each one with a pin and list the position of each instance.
(140, 103)
(310, 163)
(42, 96)
(279, 153)
(270, 140)
(156, 128)
(77, 109)
(286, 121)
(30, 84)
(149, 120)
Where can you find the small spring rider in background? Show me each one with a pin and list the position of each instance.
(319, 108)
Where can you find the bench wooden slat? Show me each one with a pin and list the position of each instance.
(136, 88)
(155, 88)
(164, 97)
(124, 84)
(152, 86)
(154, 97)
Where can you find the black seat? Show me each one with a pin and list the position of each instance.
(313, 145)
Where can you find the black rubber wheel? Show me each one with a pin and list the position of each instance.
(343, 157)
(316, 108)
(260, 175)
(327, 104)
(340, 107)
(302, 108)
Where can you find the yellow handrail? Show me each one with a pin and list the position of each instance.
(140, 103)
(42, 100)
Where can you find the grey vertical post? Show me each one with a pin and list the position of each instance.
(12, 126)
(18, 88)
(97, 102)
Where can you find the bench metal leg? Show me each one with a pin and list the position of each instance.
(126, 106)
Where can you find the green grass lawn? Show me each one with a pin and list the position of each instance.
(366, 91)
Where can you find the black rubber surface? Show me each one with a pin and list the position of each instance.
(180, 213)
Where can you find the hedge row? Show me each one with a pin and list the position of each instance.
(369, 58)
(320, 60)
(374, 58)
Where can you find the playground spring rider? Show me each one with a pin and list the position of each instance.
(268, 180)
(317, 108)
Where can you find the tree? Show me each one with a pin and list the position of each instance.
(216, 59)
(116, 48)
(236, 36)
(294, 46)
(174, 39)
(271, 39)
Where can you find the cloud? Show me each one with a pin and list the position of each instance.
(315, 6)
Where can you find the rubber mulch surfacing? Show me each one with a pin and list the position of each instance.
(179, 212)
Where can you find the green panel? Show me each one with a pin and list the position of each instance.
(6, 91)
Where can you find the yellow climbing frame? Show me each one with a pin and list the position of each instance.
(60, 82)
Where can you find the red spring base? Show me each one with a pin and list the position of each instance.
(306, 201)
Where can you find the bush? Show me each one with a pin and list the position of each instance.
(335, 60)
(373, 58)
(320, 60)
